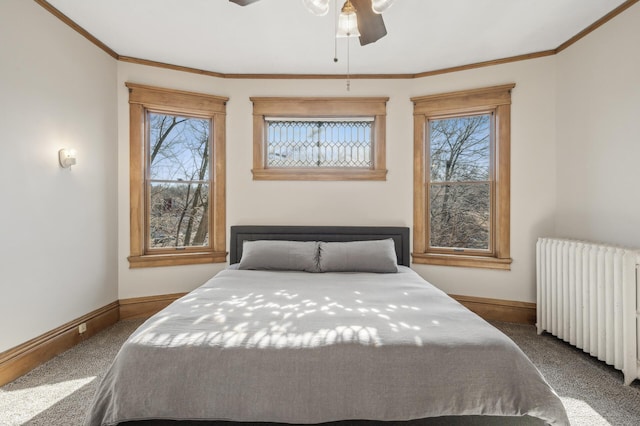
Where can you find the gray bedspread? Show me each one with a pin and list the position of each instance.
(297, 347)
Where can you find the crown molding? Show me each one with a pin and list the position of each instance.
(600, 22)
(86, 34)
(609, 16)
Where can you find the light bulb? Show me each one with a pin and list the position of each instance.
(380, 6)
(348, 22)
(317, 7)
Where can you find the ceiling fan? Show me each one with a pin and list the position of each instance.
(370, 26)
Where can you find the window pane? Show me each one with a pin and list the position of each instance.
(460, 215)
(319, 143)
(178, 215)
(178, 147)
(460, 148)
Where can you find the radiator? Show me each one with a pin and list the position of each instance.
(587, 295)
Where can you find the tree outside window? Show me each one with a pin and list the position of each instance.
(178, 180)
(462, 178)
(177, 177)
(460, 182)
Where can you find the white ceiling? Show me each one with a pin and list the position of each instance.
(282, 37)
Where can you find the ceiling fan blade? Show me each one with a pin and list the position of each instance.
(370, 24)
(243, 2)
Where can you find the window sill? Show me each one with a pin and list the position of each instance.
(317, 174)
(154, 260)
(462, 261)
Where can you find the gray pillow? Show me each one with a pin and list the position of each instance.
(280, 255)
(359, 256)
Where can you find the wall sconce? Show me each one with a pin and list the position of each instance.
(67, 158)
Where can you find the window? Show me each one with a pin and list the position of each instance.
(177, 177)
(319, 138)
(462, 178)
(321, 143)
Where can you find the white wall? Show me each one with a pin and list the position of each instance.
(574, 150)
(362, 203)
(533, 178)
(598, 152)
(58, 229)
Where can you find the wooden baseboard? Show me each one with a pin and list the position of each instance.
(144, 307)
(23, 358)
(499, 310)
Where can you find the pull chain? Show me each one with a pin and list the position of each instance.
(348, 65)
(335, 31)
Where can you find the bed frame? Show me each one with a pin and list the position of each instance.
(400, 236)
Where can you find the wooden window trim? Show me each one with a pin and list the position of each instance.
(497, 99)
(274, 107)
(146, 98)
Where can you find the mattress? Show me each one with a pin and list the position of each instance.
(298, 347)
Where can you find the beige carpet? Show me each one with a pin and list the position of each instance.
(59, 392)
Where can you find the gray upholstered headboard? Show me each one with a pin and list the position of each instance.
(400, 236)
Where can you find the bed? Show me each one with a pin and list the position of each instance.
(257, 345)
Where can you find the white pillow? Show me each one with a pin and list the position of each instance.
(359, 256)
(280, 255)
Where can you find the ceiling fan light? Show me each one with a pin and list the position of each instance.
(348, 21)
(317, 7)
(380, 6)
(347, 25)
